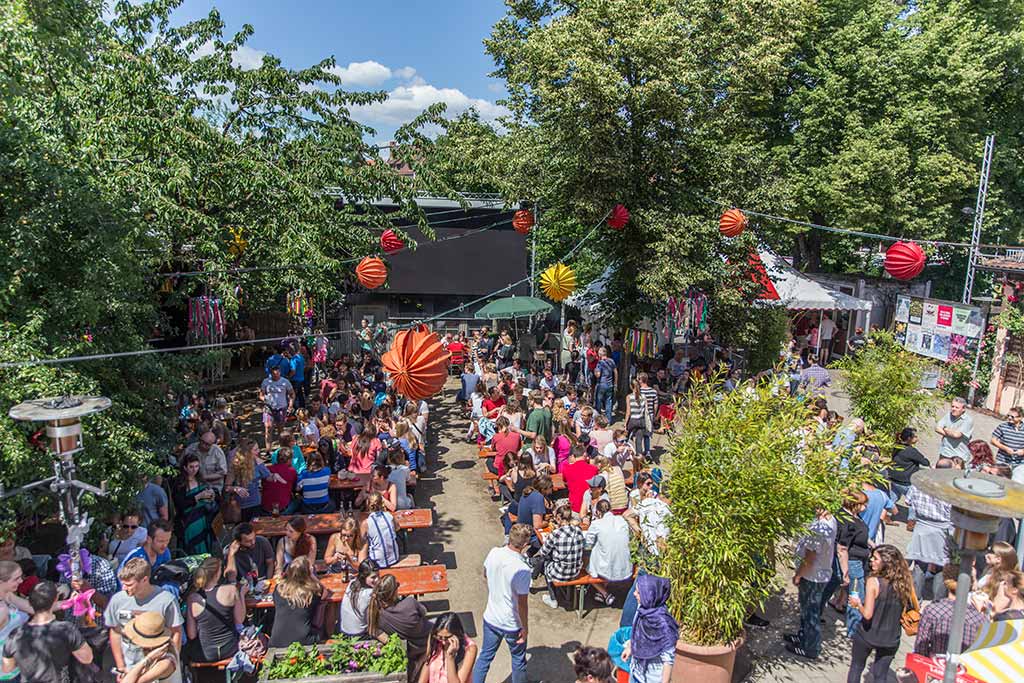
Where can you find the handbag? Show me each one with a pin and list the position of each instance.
(231, 509)
(911, 617)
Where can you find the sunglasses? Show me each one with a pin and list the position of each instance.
(129, 526)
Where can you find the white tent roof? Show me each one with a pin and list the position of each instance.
(799, 292)
(796, 290)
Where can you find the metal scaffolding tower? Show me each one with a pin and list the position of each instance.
(979, 214)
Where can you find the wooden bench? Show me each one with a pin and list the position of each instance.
(416, 581)
(581, 583)
(557, 481)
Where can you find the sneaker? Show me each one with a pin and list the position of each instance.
(609, 599)
(755, 621)
(799, 651)
(791, 638)
(503, 509)
(549, 601)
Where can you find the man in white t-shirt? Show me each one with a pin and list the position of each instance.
(506, 616)
(826, 331)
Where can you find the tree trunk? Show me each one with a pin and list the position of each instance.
(807, 253)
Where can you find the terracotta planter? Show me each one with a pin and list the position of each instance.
(705, 664)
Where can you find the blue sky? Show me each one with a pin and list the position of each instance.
(419, 51)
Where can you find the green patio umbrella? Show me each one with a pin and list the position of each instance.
(513, 307)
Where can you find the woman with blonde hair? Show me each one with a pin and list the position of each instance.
(345, 547)
(214, 614)
(888, 592)
(410, 443)
(1009, 602)
(246, 472)
(615, 484)
(1001, 561)
(297, 601)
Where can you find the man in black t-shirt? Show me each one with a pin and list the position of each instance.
(43, 647)
(248, 555)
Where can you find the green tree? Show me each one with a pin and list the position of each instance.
(136, 147)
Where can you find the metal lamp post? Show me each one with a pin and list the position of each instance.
(979, 501)
(64, 428)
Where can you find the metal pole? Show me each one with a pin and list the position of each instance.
(533, 250)
(956, 631)
(561, 336)
(817, 350)
(979, 214)
(977, 357)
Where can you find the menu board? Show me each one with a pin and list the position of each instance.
(937, 329)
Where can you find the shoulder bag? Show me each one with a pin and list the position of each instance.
(911, 617)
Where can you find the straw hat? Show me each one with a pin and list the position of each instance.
(147, 630)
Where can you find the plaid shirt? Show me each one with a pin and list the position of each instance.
(563, 553)
(103, 580)
(936, 621)
(931, 509)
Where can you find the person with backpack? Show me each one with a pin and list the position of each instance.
(44, 648)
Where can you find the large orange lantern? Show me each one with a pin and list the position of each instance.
(732, 223)
(390, 242)
(522, 221)
(371, 272)
(904, 260)
(618, 218)
(417, 363)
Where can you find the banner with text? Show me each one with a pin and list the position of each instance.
(938, 329)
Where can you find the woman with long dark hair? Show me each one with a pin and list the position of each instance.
(889, 590)
(296, 543)
(405, 617)
(356, 600)
(196, 505)
(450, 655)
(214, 613)
(363, 450)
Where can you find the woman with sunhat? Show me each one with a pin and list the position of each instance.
(149, 632)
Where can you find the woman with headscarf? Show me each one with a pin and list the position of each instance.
(651, 649)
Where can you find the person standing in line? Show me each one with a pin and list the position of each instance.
(606, 374)
(927, 550)
(507, 614)
(137, 596)
(905, 463)
(1008, 438)
(277, 395)
(43, 648)
(815, 550)
(888, 591)
(826, 332)
(956, 429)
(298, 376)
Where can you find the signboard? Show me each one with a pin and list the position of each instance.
(937, 329)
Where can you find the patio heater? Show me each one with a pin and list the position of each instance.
(64, 429)
(978, 502)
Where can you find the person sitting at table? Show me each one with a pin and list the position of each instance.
(294, 544)
(607, 538)
(196, 505)
(248, 556)
(314, 486)
(401, 477)
(380, 536)
(531, 509)
(335, 458)
(379, 483)
(520, 477)
(451, 654)
(405, 617)
(357, 599)
(410, 443)
(345, 548)
(543, 455)
(297, 605)
(245, 473)
(214, 614)
(615, 484)
(561, 556)
(290, 451)
(592, 496)
(310, 429)
(363, 451)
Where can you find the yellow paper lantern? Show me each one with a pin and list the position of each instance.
(558, 282)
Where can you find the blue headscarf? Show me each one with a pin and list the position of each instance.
(654, 629)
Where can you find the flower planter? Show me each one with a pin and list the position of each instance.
(273, 654)
(705, 663)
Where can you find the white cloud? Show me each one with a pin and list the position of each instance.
(366, 74)
(405, 73)
(405, 102)
(247, 58)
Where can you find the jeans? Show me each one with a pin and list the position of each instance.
(897, 491)
(810, 595)
(641, 440)
(921, 575)
(879, 668)
(854, 617)
(833, 582)
(604, 401)
(629, 606)
(492, 641)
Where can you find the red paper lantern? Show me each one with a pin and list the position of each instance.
(618, 218)
(732, 223)
(390, 242)
(417, 363)
(522, 221)
(371, 272)
(905, 260)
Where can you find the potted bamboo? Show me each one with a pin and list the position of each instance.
(343, 660)
(745, 472)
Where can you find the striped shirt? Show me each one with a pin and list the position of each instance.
(314, 486)
(1013, 438)
(651, 397)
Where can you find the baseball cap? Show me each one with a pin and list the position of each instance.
(596, 480)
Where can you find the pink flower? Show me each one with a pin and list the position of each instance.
(1011, 298)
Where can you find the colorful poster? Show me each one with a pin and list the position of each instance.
(916, 308)
(937, 329)
(944, 317)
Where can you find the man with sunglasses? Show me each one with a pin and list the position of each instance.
(128, 535)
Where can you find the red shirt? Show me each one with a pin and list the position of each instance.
(456, 348)
(506, 443)
(490, 406)
(276, 493)
(576, 475)
(592, 358)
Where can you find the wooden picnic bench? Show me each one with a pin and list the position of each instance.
(557, 481)
(417, 581)
(319, 525)
(581, 583)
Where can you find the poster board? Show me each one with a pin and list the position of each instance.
(937, 329)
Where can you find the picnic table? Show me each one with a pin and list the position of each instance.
(353, 481)
(557, 481)
(420, 580)
(319, 525)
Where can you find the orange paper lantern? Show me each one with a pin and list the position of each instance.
(522, 221)
(371, 272)
(904, 260)
(732, 223)
(417, 363)
(390, 242)
(618, 218)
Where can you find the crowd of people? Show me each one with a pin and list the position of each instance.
(167, 581)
